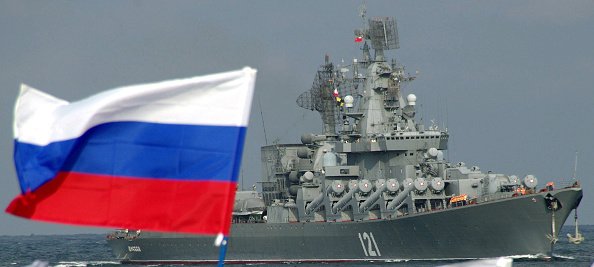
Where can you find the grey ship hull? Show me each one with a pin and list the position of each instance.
(506, 227)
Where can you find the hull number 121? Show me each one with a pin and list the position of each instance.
(368, 243)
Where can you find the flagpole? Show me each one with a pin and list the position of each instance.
(223, 252)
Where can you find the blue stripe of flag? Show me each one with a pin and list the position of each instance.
(137, 149)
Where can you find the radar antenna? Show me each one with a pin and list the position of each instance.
(383, 33)
(321, 97)
(329, 87)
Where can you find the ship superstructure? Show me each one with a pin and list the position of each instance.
(375, 185)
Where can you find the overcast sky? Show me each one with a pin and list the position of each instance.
(511, 80)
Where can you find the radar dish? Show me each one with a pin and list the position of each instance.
(383, 34)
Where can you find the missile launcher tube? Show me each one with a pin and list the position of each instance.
(344, 200)
(315, 203)
(397, 202)
(373, 198)
(335, 188)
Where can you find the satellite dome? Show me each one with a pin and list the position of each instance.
(348, 101)
(432, 152)
(439, 155)
(411, 99)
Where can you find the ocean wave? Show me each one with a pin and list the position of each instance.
(85, 263)
(563, 257)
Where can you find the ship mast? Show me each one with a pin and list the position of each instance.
(575, 167)
(578, 237)
(380, 107)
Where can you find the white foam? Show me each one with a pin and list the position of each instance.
(84, 263)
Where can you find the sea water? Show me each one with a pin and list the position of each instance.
(92, 250)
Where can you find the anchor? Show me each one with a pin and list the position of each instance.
(553, 204)
(553, 237)
(578, 237)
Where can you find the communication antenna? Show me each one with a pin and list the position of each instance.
(262, 117)
(575, 167)
(242, 179)
(362, 13)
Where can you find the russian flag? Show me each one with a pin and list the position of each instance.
(162, 156)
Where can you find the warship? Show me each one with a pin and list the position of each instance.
(374, 186)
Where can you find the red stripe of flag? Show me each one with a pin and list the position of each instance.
(136, 203)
